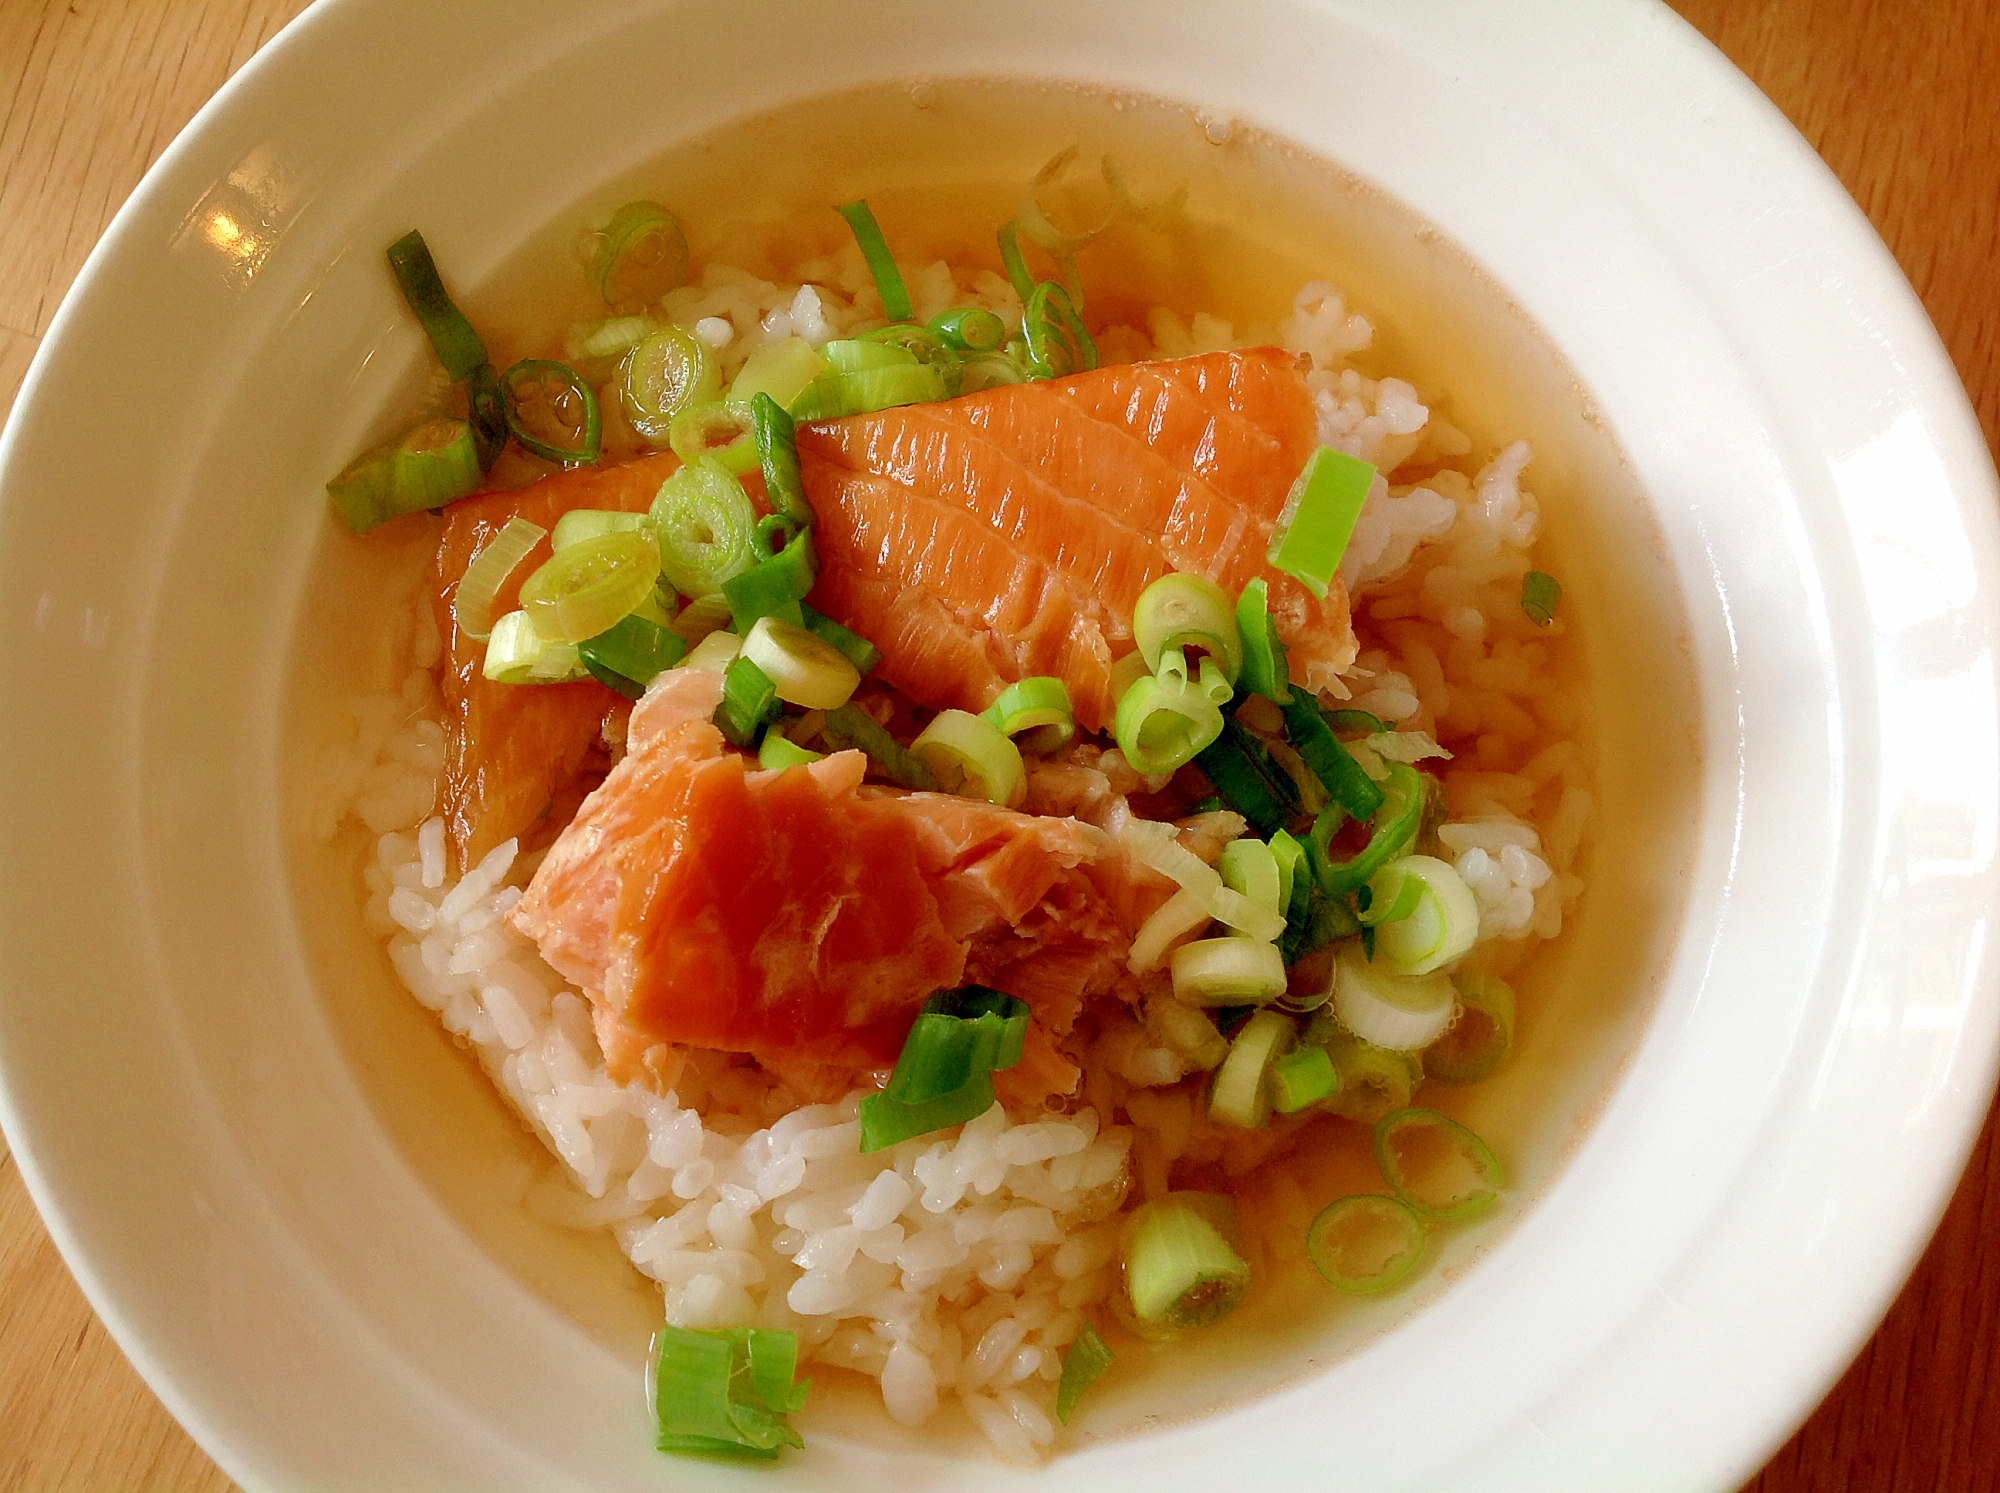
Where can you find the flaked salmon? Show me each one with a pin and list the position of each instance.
(703, 902)
(1008, 533)
(511, 751)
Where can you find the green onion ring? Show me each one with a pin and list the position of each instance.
(881, 263)
(552, 411)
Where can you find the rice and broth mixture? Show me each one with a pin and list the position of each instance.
(956, 1268)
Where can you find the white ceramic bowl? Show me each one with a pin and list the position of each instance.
(327, 1290)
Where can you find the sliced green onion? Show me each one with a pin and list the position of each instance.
(1302, 1077)
(1318, 518)
(881, 263)
(668, 372)
(1015, 265)
(1127, 671)
(1083, 1364)
(833, 395)
(1250, 868)
(517, 654)
(1480, 1035)
(1241, 1092)
(702, 616)
(1228, 972)
(1215, 684)
(1187, 611)
(749, 701)
(859, 355)
(1180, 1271)
(1037, 706)
(588, 523)
(1390, 900)
(631, 654)
(1436, 1165)
(781, 369)
(1373, 1080)
(852, 727)
(1442, 921)
(804, 669)
(452, 338)
(426, 467)
(552, 410)
(488, 414)
(1397, 1011)
(472, 602)
(968, 754)
(774, 586)
(990, 371)
(638, 256)
(580, 592)
(1294, 880)
(1243, 773)
(726, 1392)
(971, 329)
(957, 1034)
(716, 653)
(1395, 826)
(1307, 730)
(943, 1076)
(1161, 726)
(609, 338)
(1540, 592)
(1188, 1030)
(1366, 1245)
(863, 654)
(778, 750)
(1058, 344)
(704, 522)
(1175, 918)
(720, 432)
(777, 449)
(1264, 668)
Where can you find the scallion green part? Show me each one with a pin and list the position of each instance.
(1357, 721)
(1264, 669)
(863, 654)
(1318, 518)
(1436, 1165)
(631, 654)
(1540, 592)
(1058, 343)
(881, 263)
(1374, 1081)
(719, 431)
(667, 372)
(705, 526)
(588, 523)
(1301, 1077)
(943, 1076)
(1083, 1364)
(726, 1392)
(1014, 263)
(517, 654)
(552, 411)
(777, 448)
(1346, 784)
(1393, 827)
(852, 727)
(969, 755)
(1478, 1040)
(971, 329)
(488, 414)
(749, 702)
(778, 750)
(426, 467)
(773, 585)
(1180, 1272)
(1248, 781)
(859, 355)
(1366, 1245)
(452, 338)
(638, 256)
(585, 588)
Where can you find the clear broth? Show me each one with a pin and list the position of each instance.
(944, 164)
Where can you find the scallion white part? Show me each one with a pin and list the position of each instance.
(1181, 914)
(1397, 1011)
(588, 523)
(717, 651)
(1444, 925)
(1241, 1094)
(969, 750)
(472, 602)
(1249, 867)
(1244, 916)
(803, 667)
(1234, 972)
(517, 654)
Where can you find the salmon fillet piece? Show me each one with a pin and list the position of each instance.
(511, 751)
(702, 902)
(1008, 533)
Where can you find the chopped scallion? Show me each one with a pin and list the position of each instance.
(852, 727)
(1264, 668)
(1396, 1011)
(1479, 1037)
(1301, 1077)
(1318, 518)
(1058, 344)
(1160, 725)
(472, 600)
(1431, 917)
(1228, 972)
(833, 395)
(970, 329)
(1307, 730)
(426, 467)
(1037, 707)
(588, 523)
(863, 654)
(1241, 1092)
(1373, 1080)
(943, 1075)
(631, 654)
(778, 750)
(858, 355)
(452, 338)
(881, 263)
(1395, 825)
(1540, 592)
(777, 450)
(1366, 1244)
(726, 1392)
(720, 432)
(1180, 1271)
(668, 372)
(968, 754)
(749, 702)
(704, 522)
(588, 586)
(552, 411)
(1242, 772)
(781, 369)
(1184, 611)
(1083, 1364)
(1012, 261)
(775, 586)
(1436, 1165)
(803, 669)
(638, 256)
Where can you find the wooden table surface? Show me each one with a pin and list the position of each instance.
(1897, 95)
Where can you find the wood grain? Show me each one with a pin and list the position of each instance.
(1898, 96)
